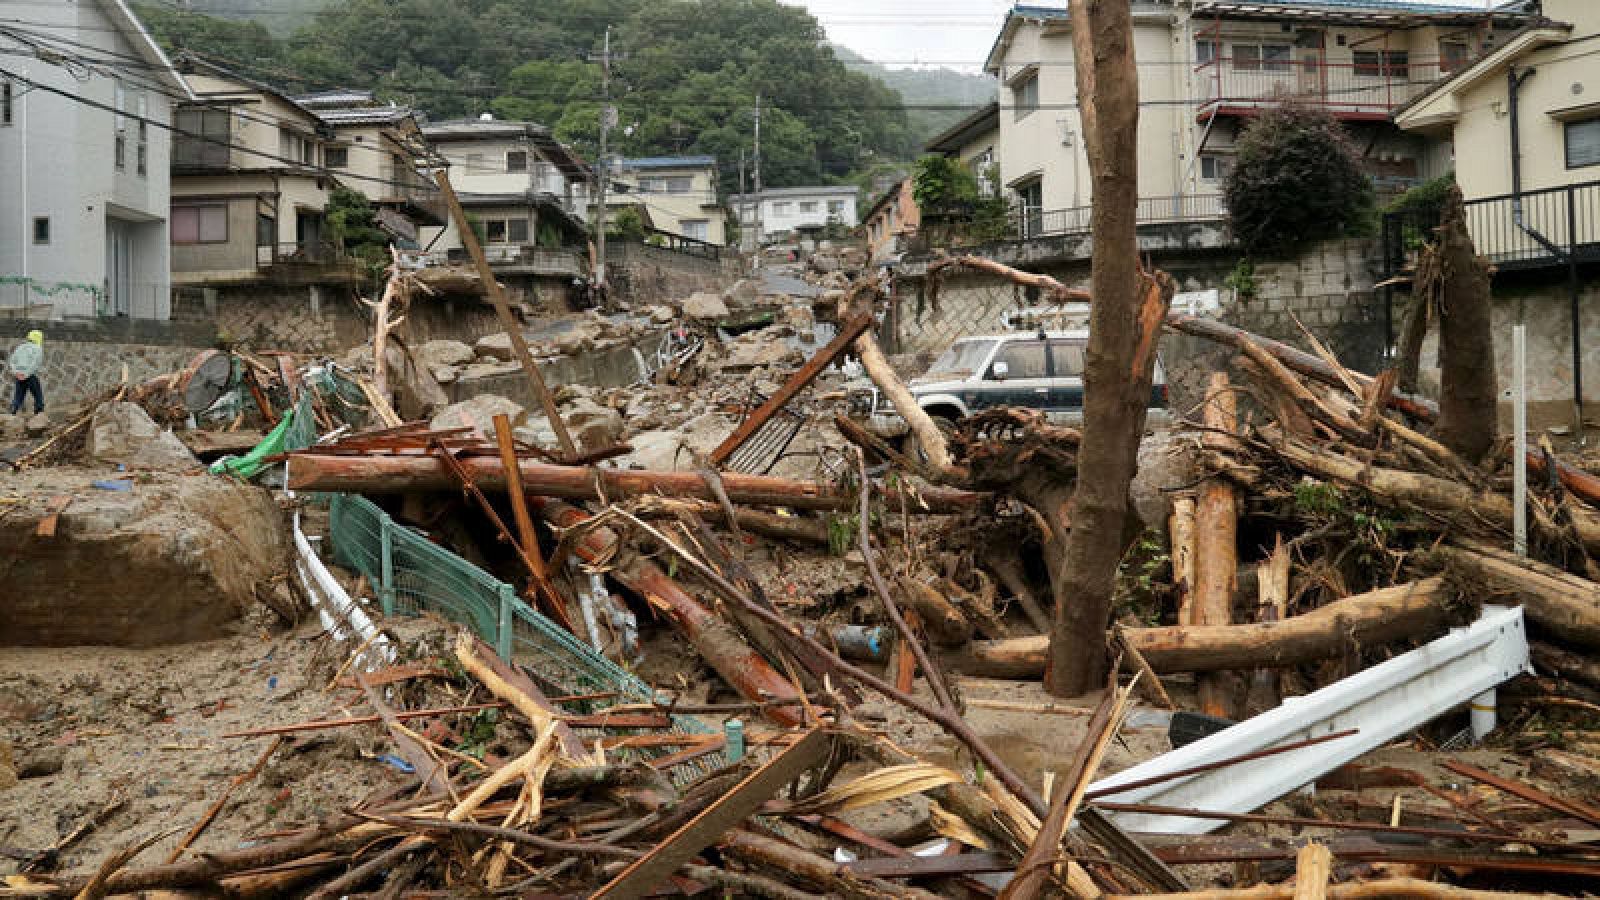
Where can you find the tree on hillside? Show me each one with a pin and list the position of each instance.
(685, 79)
(1297, 179)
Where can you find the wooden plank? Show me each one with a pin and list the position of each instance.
(796, 383)
(527, 536)
(513, 328)
(52, 518)
(1531, 794)
(645, 873)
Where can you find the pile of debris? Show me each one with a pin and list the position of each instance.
(846, 662)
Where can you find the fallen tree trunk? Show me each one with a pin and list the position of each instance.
(1376, 617)
(398, 474)
(1420, 408)
(716, 641)
(945, 624)
(1566, 606)
(1469, 389)
(1440, 498)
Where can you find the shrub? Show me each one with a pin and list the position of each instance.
(1297, 180)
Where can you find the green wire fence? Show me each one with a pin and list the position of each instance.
(411, 574)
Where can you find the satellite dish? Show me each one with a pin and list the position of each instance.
(206, 380)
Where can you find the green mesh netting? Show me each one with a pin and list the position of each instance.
(412, 574)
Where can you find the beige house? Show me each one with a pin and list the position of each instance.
(1206, 67)
(249, 191)
(1526, 119)
(382, 150)
(528, 193)
(678, 192)
(975, 141)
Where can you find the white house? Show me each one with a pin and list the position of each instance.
(86, 102)
(677, 195)
(783, 210)
(1206, 67)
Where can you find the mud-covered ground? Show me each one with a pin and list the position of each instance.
(89, 725)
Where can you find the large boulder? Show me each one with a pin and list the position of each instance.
(170, 559)
(479, 412)
(592, 426)
(494, 346)
(436, 354)
(123, 433)
(581, 336)
(705, 306)
(38, 424)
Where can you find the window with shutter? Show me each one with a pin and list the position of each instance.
(1583, 144)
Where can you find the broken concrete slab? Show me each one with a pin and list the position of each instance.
(123, 433)
(446, 374)
(171, 560)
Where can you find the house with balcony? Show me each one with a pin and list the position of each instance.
(780, 212)
(382, 151)
(679, 193)
(1526, 118)
(527, 195)
(249, 187)
(83, 167)
(1205, 68)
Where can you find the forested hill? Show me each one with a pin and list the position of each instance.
(935, 98)
(685, 80)
(279, 16)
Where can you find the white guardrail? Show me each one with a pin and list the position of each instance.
(341, 615)
(1383, 702)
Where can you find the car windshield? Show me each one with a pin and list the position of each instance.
(963, 356)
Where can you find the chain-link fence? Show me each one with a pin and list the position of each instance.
(965, 305)
(412, 574)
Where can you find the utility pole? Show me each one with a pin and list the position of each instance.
(608, 120)
(757, 173)
(744, 207)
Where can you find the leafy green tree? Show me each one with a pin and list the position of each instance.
(940, 183)
(628, 225)
(1297, 180)
(353, 226)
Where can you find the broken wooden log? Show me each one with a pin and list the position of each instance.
(1565, 606)
(945, 624)
(398, 474)
(717, 642)
(1216, 556)
(1376, 617)
(809, 868)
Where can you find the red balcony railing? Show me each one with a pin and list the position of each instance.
(1362, 89)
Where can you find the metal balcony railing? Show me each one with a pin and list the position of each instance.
(1033, 222)
(1366, 89)
(1562, 226)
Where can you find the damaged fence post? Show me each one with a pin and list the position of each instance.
(503, 643)
(386, 565)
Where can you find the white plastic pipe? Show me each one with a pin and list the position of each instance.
(1482, 715)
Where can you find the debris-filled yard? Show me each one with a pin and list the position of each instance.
(726, 630)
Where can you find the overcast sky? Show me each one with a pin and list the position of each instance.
(954, 33)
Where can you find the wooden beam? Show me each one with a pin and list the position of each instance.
(497, 296)
(645, 873)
